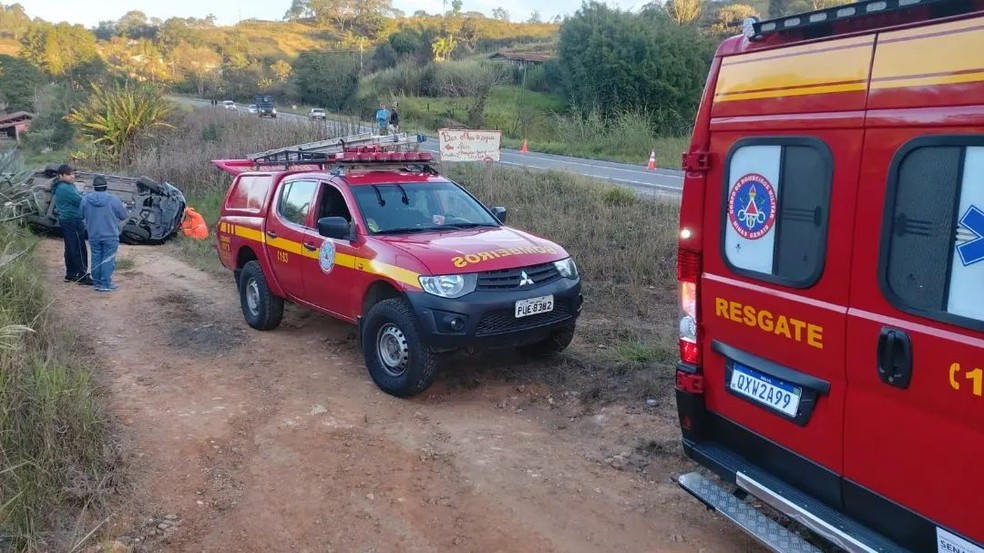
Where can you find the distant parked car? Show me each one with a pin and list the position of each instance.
(229, 104)
(252, 108)
(317, 113)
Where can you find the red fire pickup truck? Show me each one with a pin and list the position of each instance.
(381, 240)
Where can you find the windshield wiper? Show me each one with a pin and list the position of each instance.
(379, 195)
(407, 230)
(406, 200)
(467, 225)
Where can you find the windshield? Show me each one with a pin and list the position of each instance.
(419, 207)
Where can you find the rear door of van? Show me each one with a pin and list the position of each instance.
(915, 346)
(786, 128)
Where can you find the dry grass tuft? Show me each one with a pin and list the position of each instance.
(58, 462)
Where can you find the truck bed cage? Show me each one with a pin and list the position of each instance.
(856, 17)
(324, 151)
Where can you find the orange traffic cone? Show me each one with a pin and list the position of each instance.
(523, 149)
(652, 161)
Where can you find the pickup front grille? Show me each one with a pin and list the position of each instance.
(505, 321)
(510, 279)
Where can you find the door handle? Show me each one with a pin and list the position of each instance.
(310, 247)
(894, 357)
(271, 234)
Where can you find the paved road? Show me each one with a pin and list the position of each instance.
(661, 182)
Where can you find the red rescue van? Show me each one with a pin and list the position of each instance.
(831, 271)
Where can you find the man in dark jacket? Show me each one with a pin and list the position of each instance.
(67, 202)
(103, 212)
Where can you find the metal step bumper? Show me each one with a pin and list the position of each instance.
(752, 521)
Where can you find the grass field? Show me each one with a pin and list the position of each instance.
(544, 122)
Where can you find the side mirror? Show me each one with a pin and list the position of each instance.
(500, 214)
(335, 227)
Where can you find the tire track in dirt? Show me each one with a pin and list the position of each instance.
(279, 441)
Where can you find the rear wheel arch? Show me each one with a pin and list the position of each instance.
(244, 256)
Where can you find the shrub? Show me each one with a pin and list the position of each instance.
(114, 117)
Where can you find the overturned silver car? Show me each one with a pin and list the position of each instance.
(156, 208)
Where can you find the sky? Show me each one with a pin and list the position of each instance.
(227, 12)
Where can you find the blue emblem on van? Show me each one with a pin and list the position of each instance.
(972, 251)
(752, 206)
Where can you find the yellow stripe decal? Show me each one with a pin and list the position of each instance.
(798, 72)
(398, 274)
(948, 55)
(977, 76)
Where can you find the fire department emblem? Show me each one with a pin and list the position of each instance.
(752, 206)
(326, 256)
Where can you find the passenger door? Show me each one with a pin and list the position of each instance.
(915, 402)
(777, 224)
(333, 277)
(285, 232)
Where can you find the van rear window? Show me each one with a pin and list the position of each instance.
(932, 259)
(775, 209)
(249, 193)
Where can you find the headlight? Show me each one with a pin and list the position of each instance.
(567, 268)
(449, 286)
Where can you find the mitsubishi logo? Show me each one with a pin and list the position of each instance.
(525, 279)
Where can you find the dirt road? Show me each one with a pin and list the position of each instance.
(279, 441)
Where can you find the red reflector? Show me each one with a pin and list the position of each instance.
(689, 382)
(688, 265)
(689, 353)
(687, 423)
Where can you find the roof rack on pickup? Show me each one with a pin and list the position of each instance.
(350, 154)
(858, 16)
(324, 150)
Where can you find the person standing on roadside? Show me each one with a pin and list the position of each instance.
(382, 119)
(68, 204)
(103, 212)
(394, 121)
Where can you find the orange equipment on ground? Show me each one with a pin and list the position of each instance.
(651, 166)
(193, 225)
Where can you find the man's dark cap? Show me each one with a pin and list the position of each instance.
(65, 169)
(99, 182)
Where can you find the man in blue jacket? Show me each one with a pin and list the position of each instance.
(67, 203)
(103, 212)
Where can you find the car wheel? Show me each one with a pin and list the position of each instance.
(551, 345)
(262, 310)
(398, 361)
(132, 234)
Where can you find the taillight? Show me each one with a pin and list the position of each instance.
(688, 273)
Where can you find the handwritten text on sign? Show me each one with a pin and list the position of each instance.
(469, 145)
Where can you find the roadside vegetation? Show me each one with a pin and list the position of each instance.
(58, 461)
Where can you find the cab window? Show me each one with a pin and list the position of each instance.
(775, 208)
(295, 201)
(333, 204)
(933, 237)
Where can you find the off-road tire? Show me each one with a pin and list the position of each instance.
(551, 345)
(420, 367)
(269, 309)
